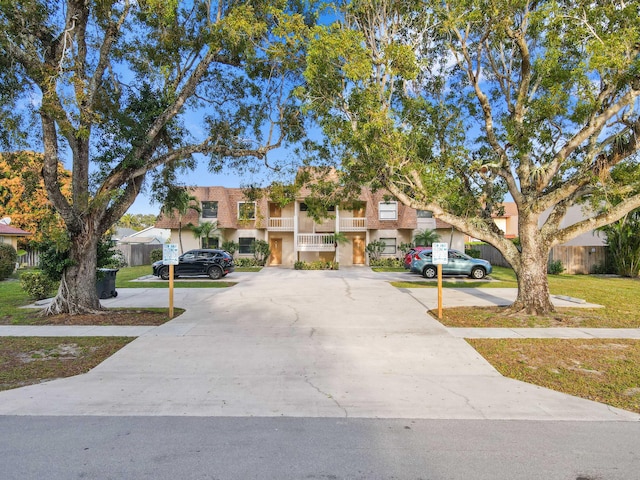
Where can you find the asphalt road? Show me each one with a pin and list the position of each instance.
(169, 448)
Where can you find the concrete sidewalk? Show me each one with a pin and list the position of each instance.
(300, 344)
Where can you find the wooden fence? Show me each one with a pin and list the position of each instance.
(138, 254)
(575, 260)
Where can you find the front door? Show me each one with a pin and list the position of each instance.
(275, 245)
(358, 251)
(274, 210)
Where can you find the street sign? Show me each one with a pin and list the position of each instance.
(170, 254)
(440, 253)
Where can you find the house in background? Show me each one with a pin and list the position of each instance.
(10, 235)
(507, 221)
(293, 235)
(147, 236)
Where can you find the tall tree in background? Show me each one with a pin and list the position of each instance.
(453, 105)
(23, 197)
(176, 204)
(121, 88)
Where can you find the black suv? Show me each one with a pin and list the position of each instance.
(215, 263)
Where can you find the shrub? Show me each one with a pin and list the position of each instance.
(375, 249)
(604, 268)
(8, 259)
(555, 267)
(405, 247)
(156, 255)
(246, 262)
(261, 252)
(54, 260)
(36, 284)
(230, 246)
(316, 265)
(117, 260)
(387, 262)
(473, 252)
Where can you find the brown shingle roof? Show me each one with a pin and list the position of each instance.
(7, 230)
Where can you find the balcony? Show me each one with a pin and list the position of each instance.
(355, 224)
(280, 224)
(314, 242)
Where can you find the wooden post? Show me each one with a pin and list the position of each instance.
(439, 291)
(171, 291)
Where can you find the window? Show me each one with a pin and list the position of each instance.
(209, 209)
(389, 246)
(424, 214)
(245, 245)
(210, 242)
(246, 210)
(303, 207)
(388, 210)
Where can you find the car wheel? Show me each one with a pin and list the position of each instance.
(214, 273)
(164, 273)
(429, 272)
(478, 273)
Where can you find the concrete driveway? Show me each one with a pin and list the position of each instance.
(299, 343)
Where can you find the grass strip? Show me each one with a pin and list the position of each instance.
(30, 360)
(603, 370)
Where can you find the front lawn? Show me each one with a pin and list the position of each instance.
(619, 297)
(29, 360)
(603, 370)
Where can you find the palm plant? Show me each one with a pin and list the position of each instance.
(426, 238)
(204, 230)
(177, 203)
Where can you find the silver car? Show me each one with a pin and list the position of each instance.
(458, 264)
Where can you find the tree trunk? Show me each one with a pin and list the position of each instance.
(77, 293)
(533, 289)
(531, 271)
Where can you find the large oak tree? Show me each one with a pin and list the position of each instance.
(125, 92)
(454, 106)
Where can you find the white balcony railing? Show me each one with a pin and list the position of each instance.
(355, 224)
(314, 242)
(280, 224)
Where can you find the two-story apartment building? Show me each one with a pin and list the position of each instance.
(293, 235)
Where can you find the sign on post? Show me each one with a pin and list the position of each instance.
(170, 257)
(170, 254)
(440, 256)
(440, 253)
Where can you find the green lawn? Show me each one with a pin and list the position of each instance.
(604, 370)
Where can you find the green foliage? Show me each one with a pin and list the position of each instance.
(54, 259)
(316, 265)
(244, 262)
(426, 238)
(261, 252)
(472, 252)
(539, 104)
(8, 259)
(37, 284)
(156, 255)
(230, 246)
(405, 247)
(623, 239)
(387, 262)
(374, 250)
(555, 267)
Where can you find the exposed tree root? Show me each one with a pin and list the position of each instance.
(62, 304)
(518, 308)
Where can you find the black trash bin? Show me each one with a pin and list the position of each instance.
(106, 282)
